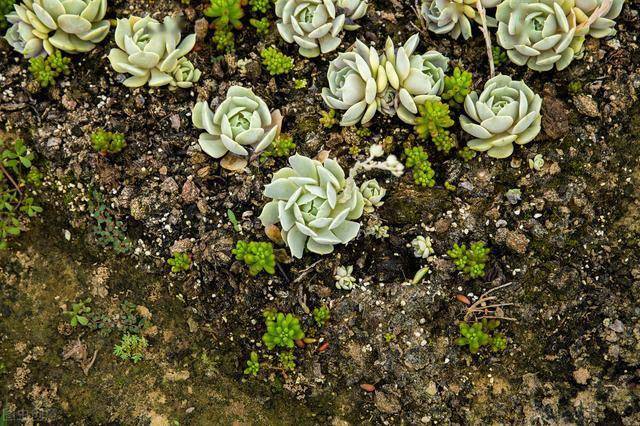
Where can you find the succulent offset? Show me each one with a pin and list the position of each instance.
(506, 112)
(41, 26)
(372, 194)
(422, 247)
(241, 122)
(315, 205)
(356, 79)
(602, 26)
(539, 33)
(316, 25)
(453, 17)
(415, 78)
(152, 52)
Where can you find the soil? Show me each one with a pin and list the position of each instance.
(568, 250)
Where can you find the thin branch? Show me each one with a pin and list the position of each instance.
(487, 39)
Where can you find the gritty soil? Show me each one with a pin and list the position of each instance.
(568, 250)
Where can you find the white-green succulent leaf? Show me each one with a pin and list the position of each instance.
(506, 112)
(242, 122)
(42, 26)
(454, 17)
(315, 205)
(539, 33)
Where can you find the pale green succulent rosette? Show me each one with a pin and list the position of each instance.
(356, 78)
(506, 112)
(453, 17)
(42, 26)
(372, 194)
(150, 51)
(353, 10)
(602, 26)
(241, 121)
(315, 25)
(414, 77)
(315, 205)
(539, 33)
(185, 74)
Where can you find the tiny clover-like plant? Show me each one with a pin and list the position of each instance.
(131, 348)
(253, 365)
(108, 231)
(45, 70)
(282, 146)
(457, 86)
(321, 315)
(258, 256)
(470, 261)
(275, 61)
(282, 331)
(107, 142)
(179, 262)
(78, 312)
(226, 12)
(418, 161)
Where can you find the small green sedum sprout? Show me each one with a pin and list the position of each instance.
(321, 315)
(226, 12)
(108, 142)
(470, 261)
(253, 365)
(473, 336)
(457, 86)
(506, 112)
(282, 331)
(418, 161)
(275, 61)
(259, 256)
(180, 262)
(45, 70)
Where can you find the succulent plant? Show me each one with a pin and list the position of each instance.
(152, 53)
(356, 78)
(241, 121)
(344, 278)
(602, 26)
(539, 33)
(453, 16)
(422, 247)
(315, 25)
(506, 111)
(414, 77)
(372, 194)
(77, 25)
(282, 331)
(226, 12)
(315, 205)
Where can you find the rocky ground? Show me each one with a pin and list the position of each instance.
(567, 248)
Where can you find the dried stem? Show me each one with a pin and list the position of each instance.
(488, 311)
(487, 39)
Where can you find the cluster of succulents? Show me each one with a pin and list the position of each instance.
(153, 53)
(316, 25)
(470, 261)
(363, 82)
(275, 61)
(454, 17)
(315, 204)
(258, 256)
(506, 112)
(418, 161)
(282, 146)
(544, 34)
(479, 334)
(108, 142)
(433, 121)
(39, 27)
(282, 331)
(45, 69)
(240, 122)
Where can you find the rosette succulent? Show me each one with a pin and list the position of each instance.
(539, 33)
(316, 25)
(356, 79)
(315, 204)
(41, 26)
(241, 121)
(414, 77)
(153, 53)
(602, 26)
(372, 194)
(453, 16)
(506, 111)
